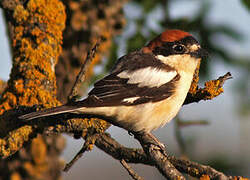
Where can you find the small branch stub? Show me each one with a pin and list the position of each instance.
(211, 90)
(82, 74)
(131, 172)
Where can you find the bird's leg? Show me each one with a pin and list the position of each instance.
(147, 138)
(158, 143)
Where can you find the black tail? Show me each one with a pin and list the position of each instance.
(47, 112)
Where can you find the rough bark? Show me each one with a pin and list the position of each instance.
(35, 29)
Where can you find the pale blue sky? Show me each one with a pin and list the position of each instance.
(5, 58)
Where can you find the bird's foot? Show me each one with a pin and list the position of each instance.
(150, 139)
(158, 144)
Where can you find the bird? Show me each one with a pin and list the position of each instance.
(145, 89)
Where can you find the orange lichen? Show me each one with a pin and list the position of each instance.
(240, 178)
(204, 177)
(19, 86)
(18, 33)
(194, 85)
(14, 140)
(3, 85)
(37, 37)
(15, 176)
(11, 101)
(38, 150)
(36, 40)
(213, 88)
(84, 125)
(35, 172)
(20, 14)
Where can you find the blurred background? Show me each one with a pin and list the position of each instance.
(223, 29)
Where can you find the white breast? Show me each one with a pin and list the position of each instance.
(150, 116)
(155, 115)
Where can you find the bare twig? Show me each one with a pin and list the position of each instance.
(88, 145)
(192, 123)
(222, 79)
(132, 155)
(195, 169)
(82, 74)
(76, 157)
(131, 172)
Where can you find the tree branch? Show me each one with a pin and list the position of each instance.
(131, 172)
(87, 146)
(82, 74)
(133, 155)
(158, 155)
(211, 90)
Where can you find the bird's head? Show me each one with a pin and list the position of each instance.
(175, 42)
(175, 48)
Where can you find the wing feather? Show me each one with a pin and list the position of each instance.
(135, 79)
(115, 91)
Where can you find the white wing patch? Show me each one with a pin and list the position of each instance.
(148, 77)
(130, 100)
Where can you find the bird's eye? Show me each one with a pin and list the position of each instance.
(178, 48)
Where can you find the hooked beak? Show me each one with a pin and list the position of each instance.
(200, 53)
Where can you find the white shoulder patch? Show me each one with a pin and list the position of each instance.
(130, 100)
(148, 77)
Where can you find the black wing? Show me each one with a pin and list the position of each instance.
(115, 91)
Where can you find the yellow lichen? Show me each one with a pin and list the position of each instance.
(204, 177)
(33, 171)
(12, 99)
(15, 176)
(36, 42)
(213, 88)
(20, 14)
(18, 34)
(194, 85)
(3, 85)
(14, 140)
(193, 170)
(38, 150)
(240, 178)
(18, 84)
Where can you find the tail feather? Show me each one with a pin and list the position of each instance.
(47, 112)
